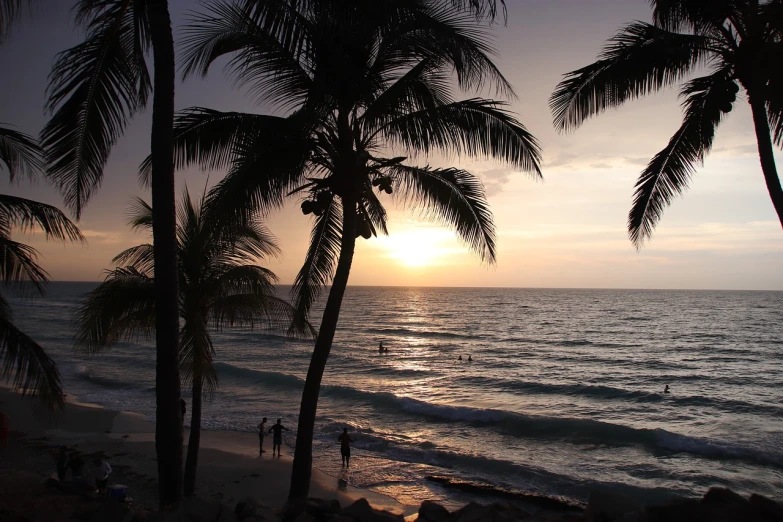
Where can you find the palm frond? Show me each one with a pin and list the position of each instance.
(207, 137)
(695, 15)
(451, 196)
(474, 127)
(370, 203)
(140, 215)
(265, 169)
(122, 308)
(640, 59)
(670, 170)
(20, 153)
(197, 355)
(94, 89)
(483, 9)
(317, 270)
(19, 265)
(10, 12)
(27, 215)
(265, 41)
(25, 364)
(140, 257)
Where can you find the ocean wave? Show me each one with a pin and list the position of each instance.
(603, 392)
(86, 374)
(275, 379)
(407, 332)
(571, 430)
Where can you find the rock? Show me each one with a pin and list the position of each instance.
(430, 511)
(110, 510)
(498, 512)
(197, 509)
(321, 509)
(767, 506)
(247, 508)
(304, 517)
(604, 506)
(363, 512)
(724, 497)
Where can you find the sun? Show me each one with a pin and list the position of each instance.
(418, 247)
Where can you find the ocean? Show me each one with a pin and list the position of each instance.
(564, 394)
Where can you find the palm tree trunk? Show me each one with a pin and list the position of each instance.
(191, 462)
(168, 428)
(303, 453)
(766, 155)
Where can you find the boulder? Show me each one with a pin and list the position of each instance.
(197, 509)
(305, 517)
(362, 511)
(498, 512)
(249, 507)
(763, 505)
(608, 506)
(430, 511)
(321, 509)
(723, 497)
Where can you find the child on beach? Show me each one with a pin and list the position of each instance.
(102, 470)
(277, 439)
(261, 427)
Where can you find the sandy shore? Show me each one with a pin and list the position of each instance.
(230, 468)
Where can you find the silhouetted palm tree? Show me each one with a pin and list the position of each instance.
(22, 360)
(738, 42)
(95, 88)
(217, 285)
(357, 77)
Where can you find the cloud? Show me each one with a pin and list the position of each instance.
(601, 165)
(637, 161)
(494, 180)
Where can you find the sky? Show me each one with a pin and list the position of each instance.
(567, 231)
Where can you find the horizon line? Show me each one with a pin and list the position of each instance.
(649, 289)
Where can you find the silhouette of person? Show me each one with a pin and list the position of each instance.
(380, 347)
(470, 359)
(459, 358)
(277, 438)
(666, 389)
(261, 427)
(345, 447)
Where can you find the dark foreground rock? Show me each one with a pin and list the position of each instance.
(717, 505)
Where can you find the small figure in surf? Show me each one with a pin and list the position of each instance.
(459, 358)
(380, 347)
(277, 438)
(666, 389)
(470, 359)
(261, 428)
(345, 447)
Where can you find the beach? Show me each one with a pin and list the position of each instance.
(230, 468)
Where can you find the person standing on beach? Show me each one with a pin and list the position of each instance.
(345, 447)
(4, 424)
(261, 427)
(277, 438)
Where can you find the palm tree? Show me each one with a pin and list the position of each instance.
(356, 79)
(24, 361)
(738, 42)
(217, 284)
(95, 88)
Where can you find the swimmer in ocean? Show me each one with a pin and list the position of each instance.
(666, 389)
